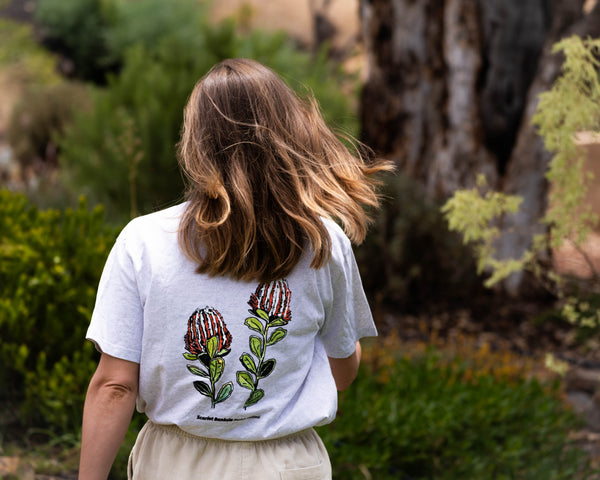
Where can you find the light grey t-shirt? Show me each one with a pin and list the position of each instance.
(222, 358)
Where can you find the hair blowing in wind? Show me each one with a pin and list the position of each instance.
(262, 169)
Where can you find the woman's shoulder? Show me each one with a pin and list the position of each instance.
(341, 247)
(152, 227)
(162, 220)
(338, 237)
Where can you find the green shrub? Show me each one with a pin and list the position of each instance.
(122, 152)
(409, 259)
(136, 117)
(151, 23)
(430, 418)
(38, 117)
(77, 30)
(22, 57)
(95, 34)
(50, 264)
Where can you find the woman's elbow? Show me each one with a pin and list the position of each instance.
(343, 383)
(115, 381)
(112, 394)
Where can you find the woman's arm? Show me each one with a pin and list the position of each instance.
(109, 405)
(344, 370)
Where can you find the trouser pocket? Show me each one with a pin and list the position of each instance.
(318, 472)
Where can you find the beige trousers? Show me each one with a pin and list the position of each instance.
(167, 452)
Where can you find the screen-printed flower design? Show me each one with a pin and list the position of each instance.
(208, 340)
(204, 324)
(273, 299)
(270, 305)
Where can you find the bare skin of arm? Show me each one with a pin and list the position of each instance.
(109, 405)
(344, 370)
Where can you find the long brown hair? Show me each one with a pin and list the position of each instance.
(262, 168)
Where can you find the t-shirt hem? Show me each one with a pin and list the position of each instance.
(350, 347)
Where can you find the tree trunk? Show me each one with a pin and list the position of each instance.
(451, 88)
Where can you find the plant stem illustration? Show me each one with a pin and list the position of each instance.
(208, 340)
(270, 306)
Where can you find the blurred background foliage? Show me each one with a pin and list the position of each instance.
(39, 117)
(146, 59)
(24, 56)
(50, 263)
(410, 262)
(105, 130)
(434, 412)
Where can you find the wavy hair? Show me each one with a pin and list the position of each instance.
(262, 167)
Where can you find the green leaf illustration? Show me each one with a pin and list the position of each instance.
(256, 345)
(203, 388)
(253, 323)
(223, 352)
(224, 393)
(197, 371)
(245, 380)
(266, 368)
(277, 322)
(277, 335)
(205, 359)
(254, 397)
(248, 363)
(216, 369)
(190, 356)
(262, 314)
(211, 346)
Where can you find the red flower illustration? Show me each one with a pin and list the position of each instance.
(273, 299)
(204, 324)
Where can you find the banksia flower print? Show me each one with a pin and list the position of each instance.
(208, 340)
(204, 324)
(270, 307)
(273, 299)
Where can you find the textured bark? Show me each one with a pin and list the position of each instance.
(451, 89)
(462, 154)
(404, 97)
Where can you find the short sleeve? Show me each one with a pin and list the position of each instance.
(116, 326)
(348, 315)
